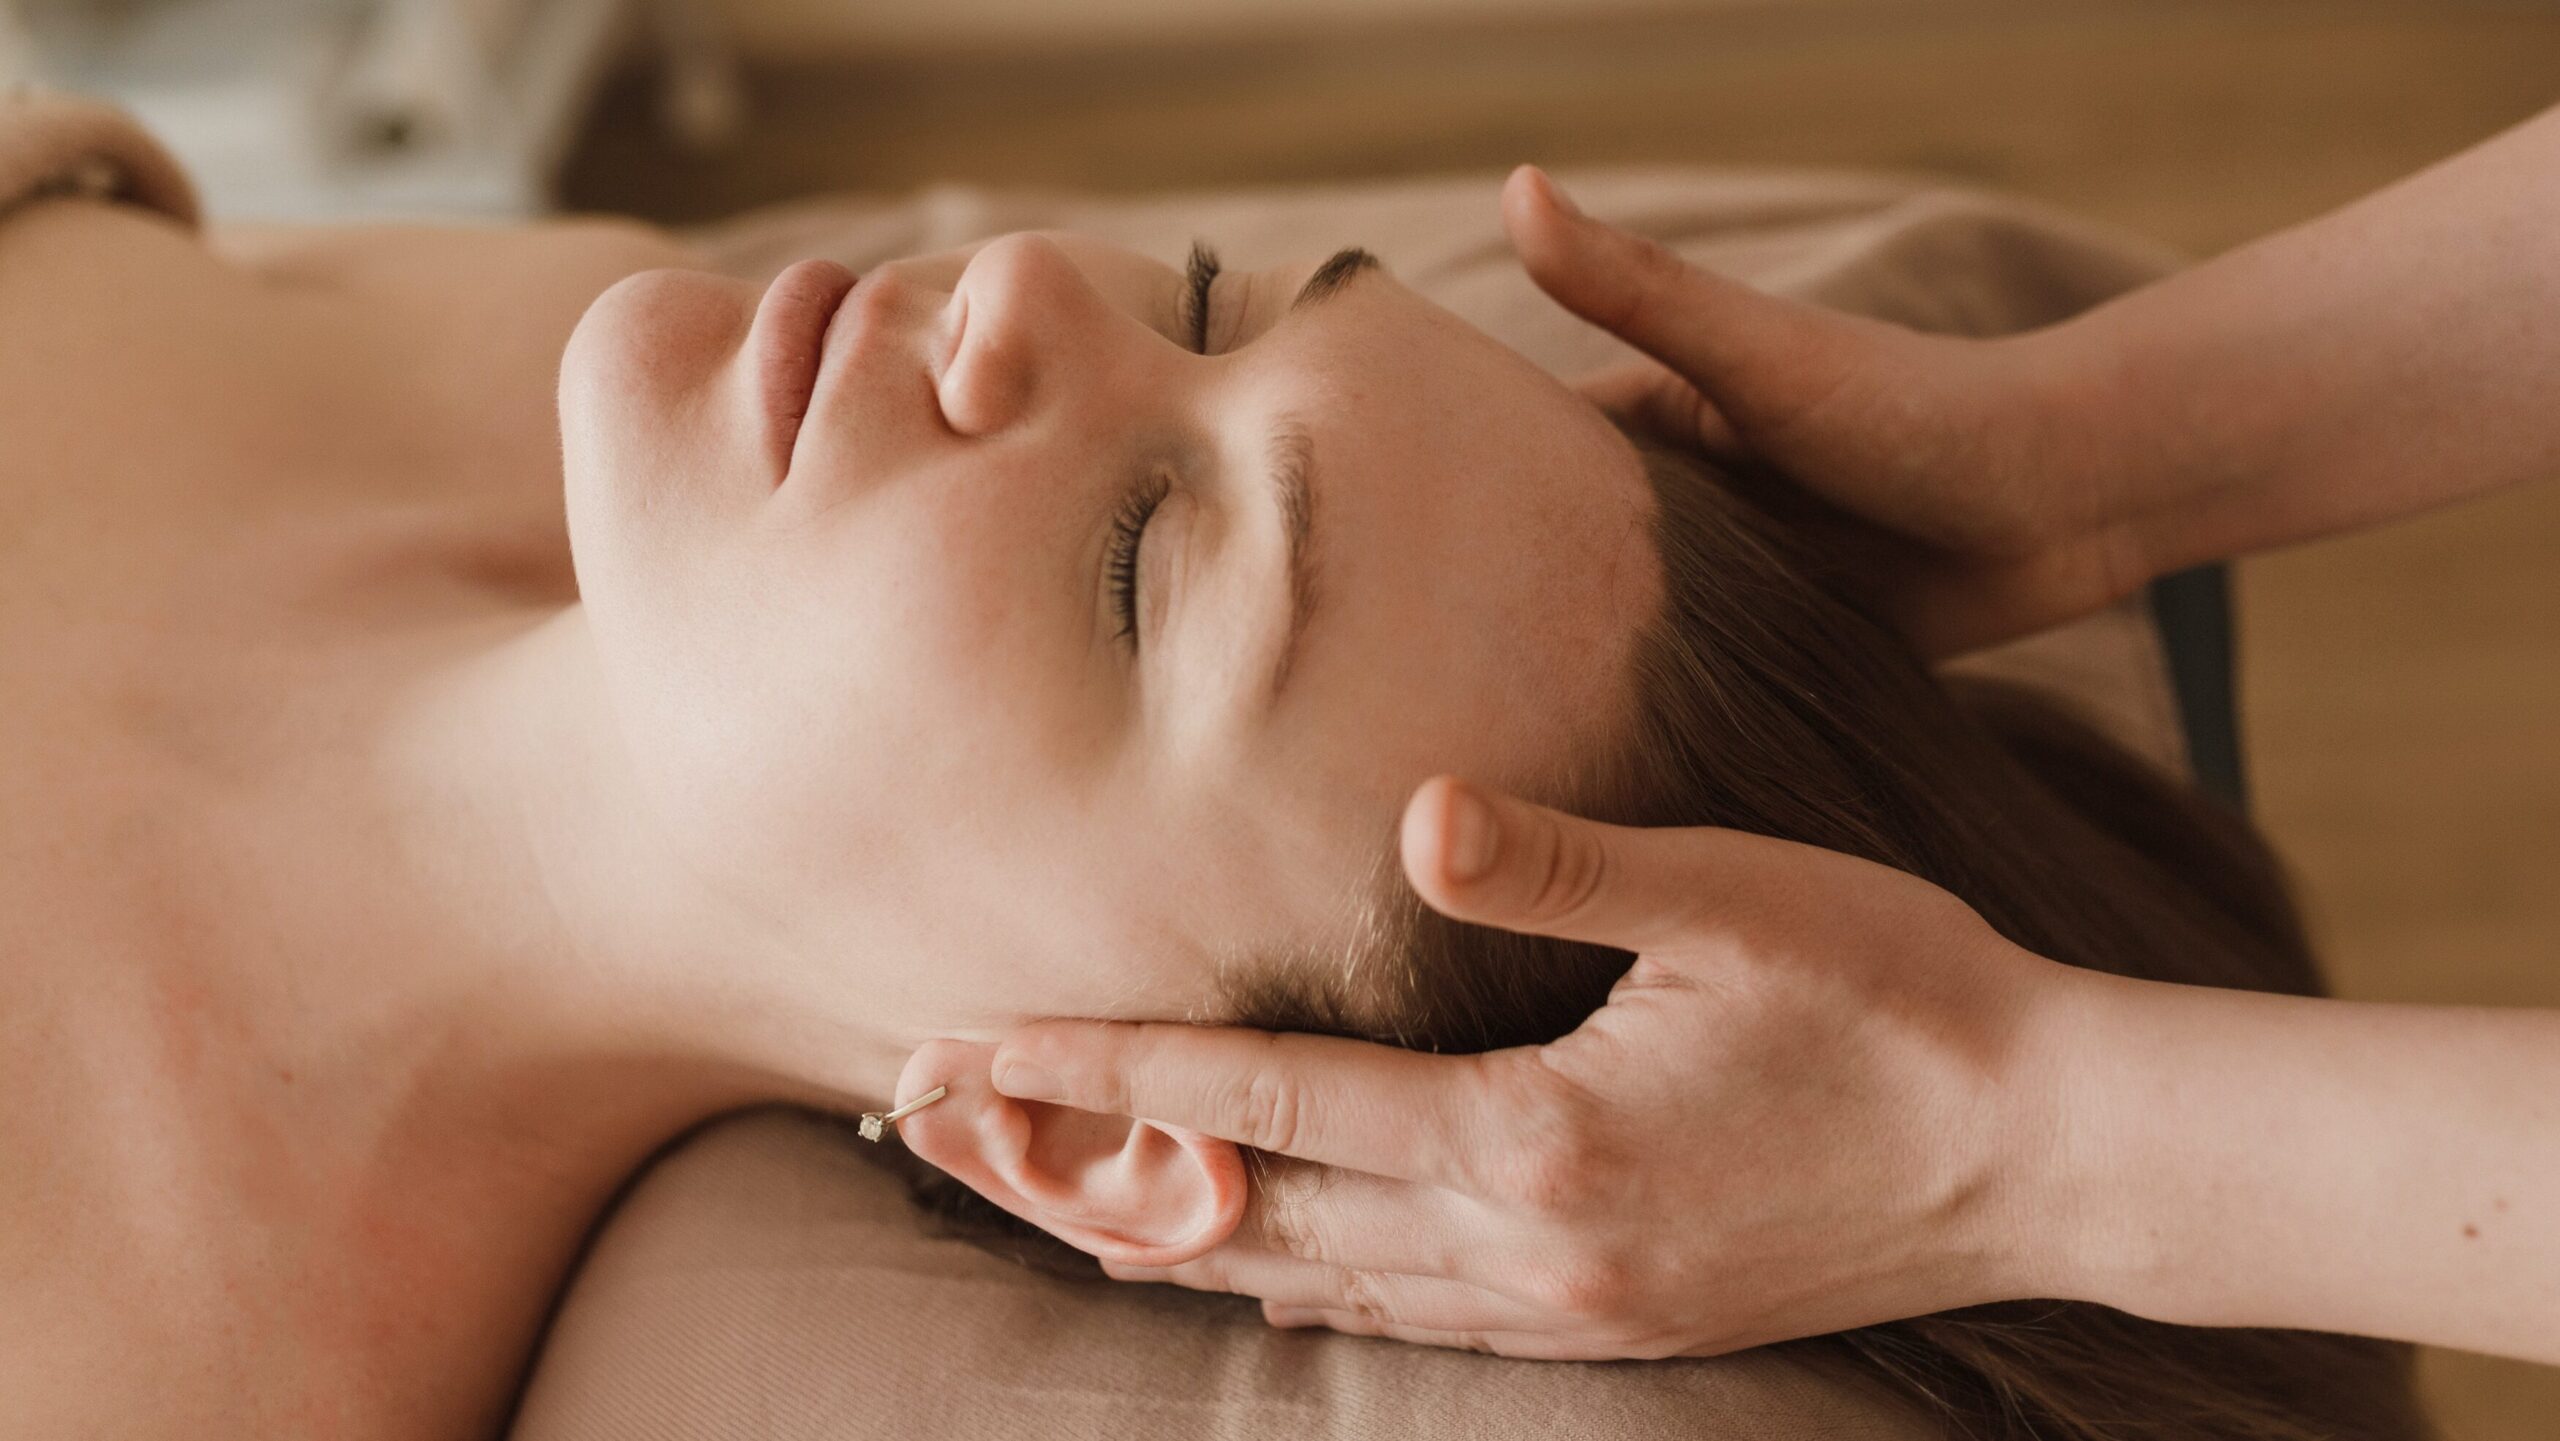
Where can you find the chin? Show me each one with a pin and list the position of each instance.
(649, 339)
(642, 383)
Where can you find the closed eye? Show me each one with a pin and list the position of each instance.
(1128, 533)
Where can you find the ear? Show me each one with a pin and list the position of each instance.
(1125, 1190)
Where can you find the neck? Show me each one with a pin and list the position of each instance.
(539, 869)
(484, 995)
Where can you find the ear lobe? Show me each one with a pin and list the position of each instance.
(1124, 1190)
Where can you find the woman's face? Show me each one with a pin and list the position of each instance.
(877, 676)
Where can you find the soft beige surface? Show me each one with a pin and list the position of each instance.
(768, 1282)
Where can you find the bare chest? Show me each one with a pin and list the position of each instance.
(205, 484)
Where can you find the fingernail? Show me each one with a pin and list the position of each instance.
(1471, 836)
(1289, 1318)
(1026, 1082)
(1556, 196)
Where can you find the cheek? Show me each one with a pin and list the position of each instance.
(972, 634)
(900, 687)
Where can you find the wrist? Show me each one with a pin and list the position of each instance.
(2096, 445)
(2074, 1220)
(2180, 447)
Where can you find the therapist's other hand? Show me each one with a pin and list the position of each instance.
(1816, 1101)
(2002, 465)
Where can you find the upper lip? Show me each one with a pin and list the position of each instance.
(789, 344)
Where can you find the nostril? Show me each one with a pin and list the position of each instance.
(957, 327)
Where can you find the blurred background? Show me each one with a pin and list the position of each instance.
(2400, 691)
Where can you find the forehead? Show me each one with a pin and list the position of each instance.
(1484, 567)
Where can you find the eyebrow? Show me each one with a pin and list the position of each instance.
(1292, 469)
(1291, 449)
(1337, 271)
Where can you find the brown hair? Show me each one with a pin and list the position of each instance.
(1764, 698)
(1767, 700)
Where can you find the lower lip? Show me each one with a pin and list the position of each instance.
(787, 337)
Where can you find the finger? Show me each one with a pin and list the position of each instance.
(1351, 1220)
(1371, 1108)
(1354, 1219)
(1526, 1345)
(1719, 333)
(1478, 855)
(1645, 395)
(1381, 1295)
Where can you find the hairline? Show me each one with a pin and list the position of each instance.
(1374, 954)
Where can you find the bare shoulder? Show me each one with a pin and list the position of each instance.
(565, 260)
(65, 257)
(144, 365)
(60, 1285)
(110, 1283)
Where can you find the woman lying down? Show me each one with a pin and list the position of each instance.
(1033, 629)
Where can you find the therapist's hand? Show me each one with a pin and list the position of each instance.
(1826, 1095)
(2008, 468)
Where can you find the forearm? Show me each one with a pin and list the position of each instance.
(2242, 1159)
(2400, 353)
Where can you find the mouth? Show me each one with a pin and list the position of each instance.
(788, 336)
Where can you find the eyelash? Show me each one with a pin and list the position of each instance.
(1197, 273)
(1129, 527)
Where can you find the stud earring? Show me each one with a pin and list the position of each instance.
(875, 1122)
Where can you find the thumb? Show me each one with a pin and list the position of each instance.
(1755, 357)
(1496, 860)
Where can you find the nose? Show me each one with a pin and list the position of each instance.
(1034, 335)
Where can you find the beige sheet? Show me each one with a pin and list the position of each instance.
(768, 1282)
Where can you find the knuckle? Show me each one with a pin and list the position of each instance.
(1594, 1289)
(1283, 1225)
(1284, 1182)
(1270, 1112)
(1364, 1294)
(1573, 869)
(1552, 1158)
